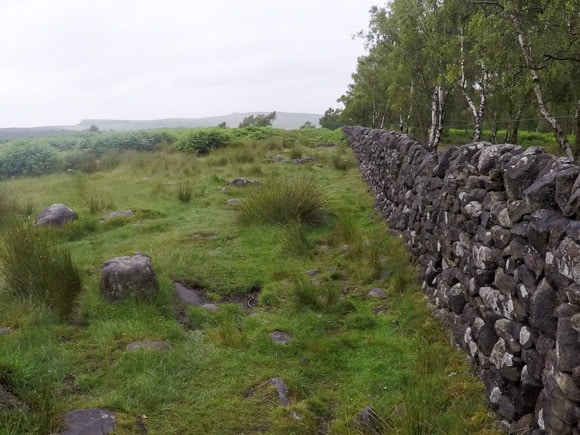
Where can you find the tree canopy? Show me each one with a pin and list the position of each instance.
(472, 64)
(258, 120)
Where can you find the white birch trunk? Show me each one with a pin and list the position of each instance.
(437, 100)
(560, 135)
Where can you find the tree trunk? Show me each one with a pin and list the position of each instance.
(577, 133)
(475, 111)
(511, 134)
(526, 51)
(437, 102)
(494, 128)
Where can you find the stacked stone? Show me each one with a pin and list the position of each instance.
(496, 231)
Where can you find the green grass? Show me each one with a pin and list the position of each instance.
(348, 351)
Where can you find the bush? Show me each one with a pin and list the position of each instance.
(288, 202)
(37, 266)
(202, 141)
(84, 161)
(28, 159)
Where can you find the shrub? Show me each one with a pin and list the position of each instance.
(28, 159)
(37, 266)
(285, 203)
(202, 141)
(84, 161)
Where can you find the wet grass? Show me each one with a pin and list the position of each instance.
(348, 351)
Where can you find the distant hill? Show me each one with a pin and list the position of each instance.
(285, 120)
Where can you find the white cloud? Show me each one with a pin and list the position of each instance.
(64, 60)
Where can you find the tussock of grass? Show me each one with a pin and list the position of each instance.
(184, 192)
(285, 202)
(307, 295)
(294, 240)
(36, 266)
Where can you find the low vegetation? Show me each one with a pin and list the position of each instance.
(297, 252)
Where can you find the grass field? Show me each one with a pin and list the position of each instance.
(309, 269)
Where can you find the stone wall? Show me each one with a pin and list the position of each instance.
(495, 229)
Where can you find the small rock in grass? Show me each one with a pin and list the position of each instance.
(89, 421)
(303, 160)
(281, 337)
(210, 307)
(5, 330)
(233, 201)
(187, 295)
(377, 293)
(282, 390)
(242, 182)
(117, 214)
(313, 272)
(9, 402)
(148, 344)
(368, 420)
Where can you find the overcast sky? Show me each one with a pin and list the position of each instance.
(66, 60)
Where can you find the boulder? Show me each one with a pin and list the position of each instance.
(124, 277)
(56, 215)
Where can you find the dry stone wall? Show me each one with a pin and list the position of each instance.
(495, 229)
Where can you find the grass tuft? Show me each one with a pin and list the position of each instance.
(294, 240)
(322, 297)
(285, 202)
(38, 267)
(184, 192)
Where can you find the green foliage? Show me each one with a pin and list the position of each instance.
(27, 159)
(285, 202)
(331, 119)
(84, 161)
(202, 141)
(38, 267)
(255, 133)
(258, 120)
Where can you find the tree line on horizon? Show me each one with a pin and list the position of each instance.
(473, 64)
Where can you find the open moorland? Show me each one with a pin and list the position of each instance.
(309, 311)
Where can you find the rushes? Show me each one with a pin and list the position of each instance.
(284, 203)
(37, 266)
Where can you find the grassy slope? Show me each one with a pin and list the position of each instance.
(344, 355)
